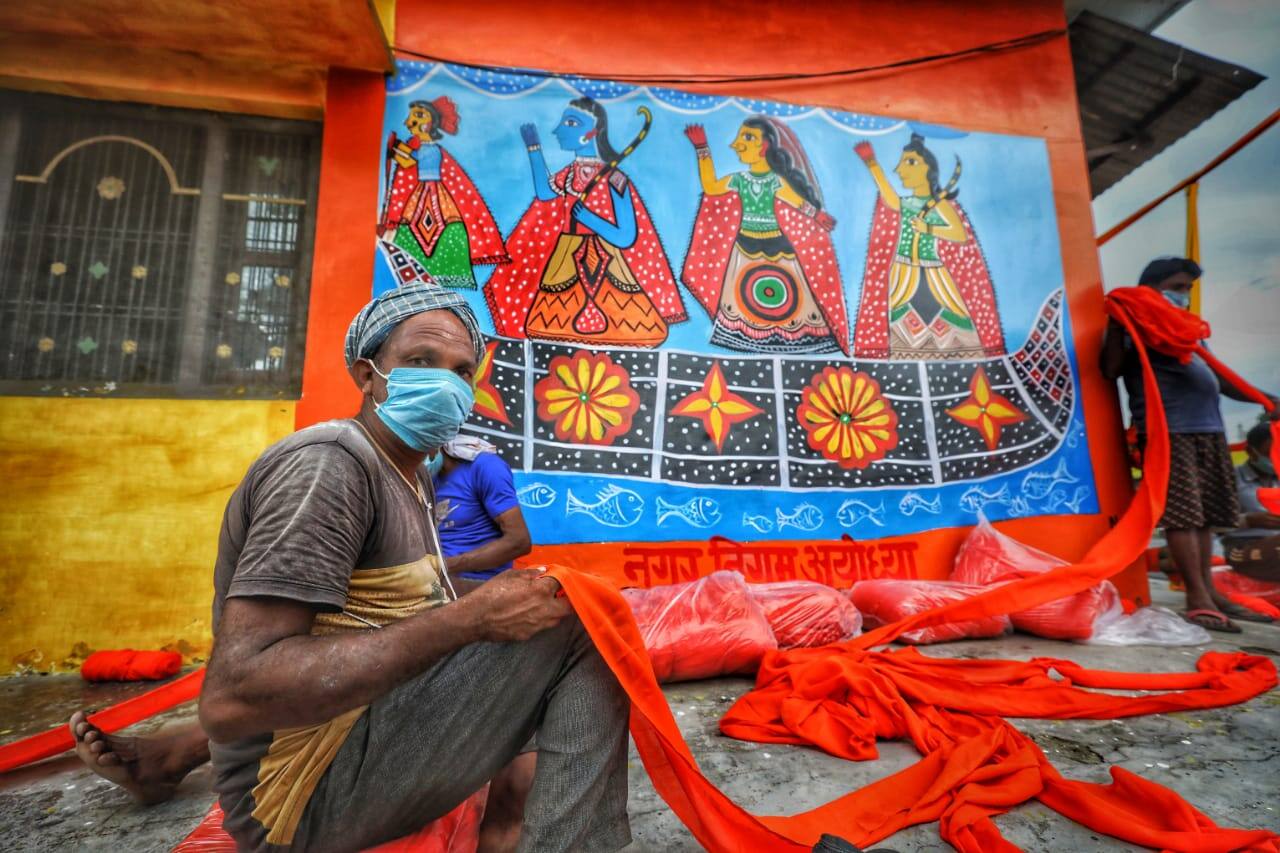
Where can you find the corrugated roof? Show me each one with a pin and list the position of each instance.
(1139, 94)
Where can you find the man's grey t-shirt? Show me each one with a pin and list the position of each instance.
(320, 518)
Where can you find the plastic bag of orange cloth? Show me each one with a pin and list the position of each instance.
(885, 601)
(456, 832)
(807, 614)
(703, 628)
(988, 557)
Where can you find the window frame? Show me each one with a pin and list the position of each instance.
(205, 273)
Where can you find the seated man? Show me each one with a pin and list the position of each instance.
(481, 526)
(1254, 548)
(482, 530)
(351, 697)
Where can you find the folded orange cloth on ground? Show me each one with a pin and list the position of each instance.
(130, 665)
(842, 698)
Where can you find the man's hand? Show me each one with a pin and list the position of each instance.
(864, 150)
(517, 604)
(529, 133)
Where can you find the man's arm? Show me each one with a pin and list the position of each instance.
(1113, 354)
(512, 542)
(268, 672)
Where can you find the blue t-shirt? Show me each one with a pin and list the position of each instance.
(468, 499)
(1189, 391)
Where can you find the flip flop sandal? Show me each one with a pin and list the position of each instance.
(1212, 620)
(1244, 614)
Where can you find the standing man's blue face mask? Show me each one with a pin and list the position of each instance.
(425, 406)
(1178, 298)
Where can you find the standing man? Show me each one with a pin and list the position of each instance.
(1202, 492)
(351, 697)
(1254, 549)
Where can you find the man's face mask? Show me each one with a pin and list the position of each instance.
(1178, 298)
(425, 406)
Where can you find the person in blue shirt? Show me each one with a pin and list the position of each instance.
(481, 531)
(1202, 480)
(481, 527)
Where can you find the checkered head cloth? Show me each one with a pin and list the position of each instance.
(376, 320)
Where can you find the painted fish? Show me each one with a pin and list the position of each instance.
(700, 512)
(975, 498)
(851, 512)
(913, 501)
(536, 496)
(1019, 506)
(1038, 485)
(614, 506)
(1077, 499)
(806, 517)
(1056, 500)
(762, 523)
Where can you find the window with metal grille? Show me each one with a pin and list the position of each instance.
(147, 251)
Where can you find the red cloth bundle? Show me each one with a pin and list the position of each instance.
(130, 665)
(1230, 581)
(806, 614)
(987, 557)
(886, 601)
(702, 629)
(456, 832)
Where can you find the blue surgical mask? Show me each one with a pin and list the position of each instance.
(1178, 298)
(425, 406)
(435, 464)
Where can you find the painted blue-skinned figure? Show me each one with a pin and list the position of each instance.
(586, 263)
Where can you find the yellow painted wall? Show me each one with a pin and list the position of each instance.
(109, 518)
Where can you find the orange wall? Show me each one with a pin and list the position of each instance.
(1028, 91)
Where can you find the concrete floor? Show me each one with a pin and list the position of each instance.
(1225, 761)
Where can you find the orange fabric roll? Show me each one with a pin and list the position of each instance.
(130, 665)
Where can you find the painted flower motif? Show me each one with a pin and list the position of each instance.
(45, 344)
(223, 351)
(847, 419)
(111, 188)
(489, 402)
(283, 280)
(716, 406)
(129, 347)
(139, 272)
(98, 270)
(86, 345)
(232, 278)
(57, 268)
(587, 397)
(276, 352)
(985, 410)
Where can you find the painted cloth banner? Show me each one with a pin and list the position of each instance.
(737, 320)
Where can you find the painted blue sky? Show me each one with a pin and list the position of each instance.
(1239, 226)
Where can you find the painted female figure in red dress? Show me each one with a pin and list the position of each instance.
(926, 291)
(587, 266)
(432, 209)
(760, 260)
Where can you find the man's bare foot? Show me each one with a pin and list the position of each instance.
(148, 768)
